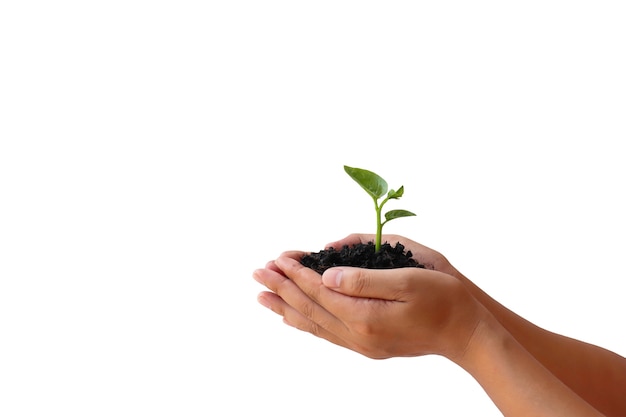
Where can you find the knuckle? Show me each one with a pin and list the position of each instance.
(403, 287)
(361, 281)
(283, 286)
(364, 328)
(309, 327)
(301, 323)
(306, 325)
(307, 310)
(315, 329)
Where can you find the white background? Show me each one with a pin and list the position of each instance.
(153, 154)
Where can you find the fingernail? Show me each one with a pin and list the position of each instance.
(332, 277)
(256, 276)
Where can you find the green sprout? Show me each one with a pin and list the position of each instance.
(377, 187)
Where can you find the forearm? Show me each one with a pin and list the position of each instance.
(514, 379)
(594, 373)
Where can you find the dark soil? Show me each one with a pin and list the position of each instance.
(363, 255)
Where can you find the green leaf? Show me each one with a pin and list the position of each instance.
(396, 194)
(369, 181)
(394, 214)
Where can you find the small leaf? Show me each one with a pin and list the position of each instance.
(394, 214)
(396, 194)
(369, 181)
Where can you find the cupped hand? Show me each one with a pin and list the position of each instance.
(378, 313)
(424, 255)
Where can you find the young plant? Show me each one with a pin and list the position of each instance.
(377, 187)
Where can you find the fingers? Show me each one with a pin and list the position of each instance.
(307, 280)
(295, 305)
(307, 316)
(295, 319)
(339, 306)
(381, 284)
(271, 265)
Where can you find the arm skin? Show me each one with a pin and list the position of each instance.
(595, 374)
(524, 369)
(413, 312)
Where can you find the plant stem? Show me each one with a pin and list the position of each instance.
(379, 226)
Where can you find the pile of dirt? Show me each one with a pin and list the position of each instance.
(362, 255)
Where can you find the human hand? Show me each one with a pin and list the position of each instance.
(415, 311)
(424, 255)
(378, 313)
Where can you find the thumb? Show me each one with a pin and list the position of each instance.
(384, 284)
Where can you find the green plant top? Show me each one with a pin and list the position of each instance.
(377, 187)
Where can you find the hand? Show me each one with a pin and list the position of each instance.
(378, 313)
(412, 311)
(424, 255)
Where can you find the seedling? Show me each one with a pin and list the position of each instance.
(377, 187)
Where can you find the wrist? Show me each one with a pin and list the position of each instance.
(516, 381)
(466, 319)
